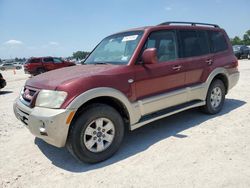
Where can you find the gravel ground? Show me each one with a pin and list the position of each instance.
(189, 149)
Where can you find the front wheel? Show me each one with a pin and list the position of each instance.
(215, 97)
(96, 134)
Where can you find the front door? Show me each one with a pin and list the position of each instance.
(154, 82)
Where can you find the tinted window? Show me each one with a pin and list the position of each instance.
(34, 61)
(165, 44)
(57, 60)
(193, 43)
(48, 59)
(218, 41)
(203, 42)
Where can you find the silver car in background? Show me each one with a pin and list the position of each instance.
(10, 66)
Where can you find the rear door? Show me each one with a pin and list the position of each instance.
(48, 63)
(154, 81)
(195, 54)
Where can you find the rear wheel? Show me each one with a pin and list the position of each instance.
(96, 134)
(215, 97)
(40, 71)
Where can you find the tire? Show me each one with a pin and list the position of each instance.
(40, 71)
(2, 68)
(215, 97)
(84, 130)
(248, 56)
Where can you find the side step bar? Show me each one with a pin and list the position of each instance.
(166, 112)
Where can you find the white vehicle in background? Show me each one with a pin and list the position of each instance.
(10, 66)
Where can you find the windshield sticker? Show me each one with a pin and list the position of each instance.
(129, 38)
(124, 58)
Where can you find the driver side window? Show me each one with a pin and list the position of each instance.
(165, 44)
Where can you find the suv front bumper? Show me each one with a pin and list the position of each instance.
(51, 125)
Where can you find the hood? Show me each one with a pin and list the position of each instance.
(52, 79)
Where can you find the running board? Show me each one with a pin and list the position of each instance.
(166, 112)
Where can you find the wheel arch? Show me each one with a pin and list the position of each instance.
(108, 96)
(219, 73)
(224, 79)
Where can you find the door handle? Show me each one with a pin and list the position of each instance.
(177, 67)
(209, 61)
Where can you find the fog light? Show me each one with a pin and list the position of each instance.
(42, 129)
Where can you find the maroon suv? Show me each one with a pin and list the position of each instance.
(130, 79)
(38, 65)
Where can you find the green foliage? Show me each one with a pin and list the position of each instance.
(19, 59)
(79, 55)
(245, 41)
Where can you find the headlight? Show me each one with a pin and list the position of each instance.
(50, 99)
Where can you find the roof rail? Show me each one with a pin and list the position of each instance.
(191, 23)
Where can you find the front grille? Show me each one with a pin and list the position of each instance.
(28, 96)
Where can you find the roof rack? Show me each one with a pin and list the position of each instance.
(191, 23)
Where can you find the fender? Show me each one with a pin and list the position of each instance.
(213, 74)
(200, 91)
(132, 108)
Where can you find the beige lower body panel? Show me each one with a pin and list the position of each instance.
(159, 102)
(47, 124)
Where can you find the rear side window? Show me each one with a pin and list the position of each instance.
(47, 59)
(193, 43)
(34, 61)
(217, 41)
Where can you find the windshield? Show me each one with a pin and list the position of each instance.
(116, 49)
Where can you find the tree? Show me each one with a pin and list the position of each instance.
(246, 38)
(236, 41)
(80, 55)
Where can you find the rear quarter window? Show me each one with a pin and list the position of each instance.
(218, 42)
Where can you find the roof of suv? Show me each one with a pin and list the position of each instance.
(179, 25)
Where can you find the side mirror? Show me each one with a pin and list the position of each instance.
(149, 56)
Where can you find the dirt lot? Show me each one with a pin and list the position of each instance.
(189, 149)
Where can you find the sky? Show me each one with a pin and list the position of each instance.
(61, 27)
